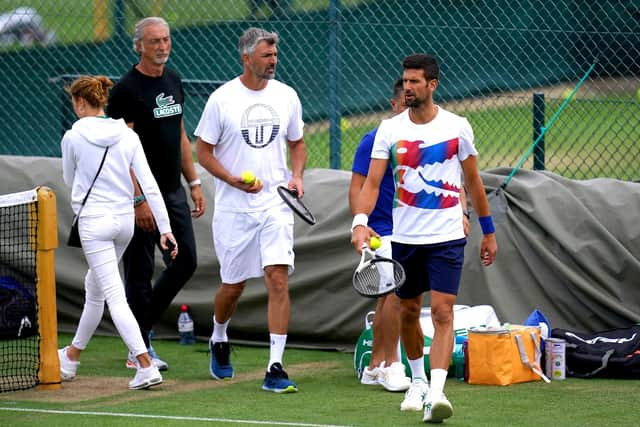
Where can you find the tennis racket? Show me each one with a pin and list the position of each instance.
(376, 276)
(291, 198)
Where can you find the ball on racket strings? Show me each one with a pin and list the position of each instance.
(248, 177)
(375, 243)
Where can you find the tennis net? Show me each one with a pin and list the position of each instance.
(26, 272)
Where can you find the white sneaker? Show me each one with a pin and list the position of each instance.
(436, 410)
(371, 376)
(393, 377)
(68, 367)
(414, 397)
(145, 378)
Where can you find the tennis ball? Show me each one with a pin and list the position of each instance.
(375, 242)
(567, 93)
(344, 124)
(248, 177)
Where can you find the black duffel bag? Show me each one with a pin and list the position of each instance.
(18, 314)
(614, 353)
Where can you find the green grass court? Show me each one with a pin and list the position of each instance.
(329, 395)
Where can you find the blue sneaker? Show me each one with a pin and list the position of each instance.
(220, 366)
(277, 380)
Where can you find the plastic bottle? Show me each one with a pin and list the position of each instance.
(185, 326)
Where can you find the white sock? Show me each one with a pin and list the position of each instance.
(219, 331)
(438, 378)
(276, 349)
(417, 369)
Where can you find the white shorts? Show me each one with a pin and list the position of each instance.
(385, 248)
(245, 243)
(386, 273)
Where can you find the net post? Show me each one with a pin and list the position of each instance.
(49, 372)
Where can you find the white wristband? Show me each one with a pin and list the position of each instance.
(195, 182)
(359, 219)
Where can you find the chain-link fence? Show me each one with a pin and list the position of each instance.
(507, 65)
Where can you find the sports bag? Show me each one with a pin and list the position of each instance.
(614, 353)
(504, 356)
(18, 316)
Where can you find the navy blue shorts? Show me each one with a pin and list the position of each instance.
(436, 266)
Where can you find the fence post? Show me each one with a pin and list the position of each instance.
(68, 115)
(119, 19)
(334, 100)
(538, 123)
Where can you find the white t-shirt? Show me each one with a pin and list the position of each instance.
(425, 159)
(249, 130)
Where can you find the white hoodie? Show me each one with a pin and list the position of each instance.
(83, 147)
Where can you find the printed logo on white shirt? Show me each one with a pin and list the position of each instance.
(259, 125)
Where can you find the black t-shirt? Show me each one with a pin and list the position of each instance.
(154, 105)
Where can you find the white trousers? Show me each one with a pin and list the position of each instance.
(104, 240)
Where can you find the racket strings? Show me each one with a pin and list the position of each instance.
(367, 279)
(378, 277)
(291, 199)
(299, 205)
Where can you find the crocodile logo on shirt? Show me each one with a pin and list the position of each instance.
(166, 107)
(423, 174)
(259, 125)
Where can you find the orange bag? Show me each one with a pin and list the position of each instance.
(503, 356)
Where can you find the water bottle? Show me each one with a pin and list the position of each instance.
(185, 326)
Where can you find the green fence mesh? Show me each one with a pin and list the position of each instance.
(499, 58)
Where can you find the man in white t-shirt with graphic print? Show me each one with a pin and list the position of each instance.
(247, 124)
(429, 149)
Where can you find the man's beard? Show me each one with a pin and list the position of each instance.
(414, 103)
(268, 75)
(161, 61)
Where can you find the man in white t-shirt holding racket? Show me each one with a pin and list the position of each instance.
(247, 124)
(429, 149)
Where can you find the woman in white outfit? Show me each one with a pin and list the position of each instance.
(107, 219)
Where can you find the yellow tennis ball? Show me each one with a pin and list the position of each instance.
(375, 243)
(344, 124)
(566, 93)
(248, 177)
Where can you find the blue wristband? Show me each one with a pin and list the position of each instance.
(486, 223)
